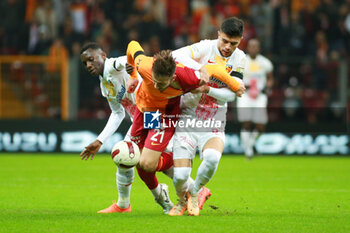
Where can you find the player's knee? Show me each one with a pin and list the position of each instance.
(148, 165)
(211, 157)
(181, 174)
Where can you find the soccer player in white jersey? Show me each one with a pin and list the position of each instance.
(113, 79)
(251, 108)
(210, 103)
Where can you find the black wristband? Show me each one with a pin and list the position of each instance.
(237, 74)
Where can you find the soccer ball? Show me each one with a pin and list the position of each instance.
(125, 154)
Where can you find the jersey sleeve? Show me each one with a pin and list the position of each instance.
(187, 78)
(199, 49)
(119, 63)
(222, 94)
(137, 58)
(114, 120)
(268, 65)
(133, 53)
(220, 73)
(184, 56)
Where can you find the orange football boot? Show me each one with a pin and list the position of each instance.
(114, 208)
(179, 209)
(203, 196)
(192, 204)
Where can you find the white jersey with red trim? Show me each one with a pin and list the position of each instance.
(113, 86)
(207, 108)
(204, 52)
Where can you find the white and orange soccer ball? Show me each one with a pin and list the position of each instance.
(125, 154)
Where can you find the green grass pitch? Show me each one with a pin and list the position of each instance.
(61, 193)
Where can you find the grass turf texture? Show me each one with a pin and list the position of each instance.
(61, 193)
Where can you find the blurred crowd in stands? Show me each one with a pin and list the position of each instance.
(306, 40)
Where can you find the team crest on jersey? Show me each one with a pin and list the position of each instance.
(110, 87)
(228, 68)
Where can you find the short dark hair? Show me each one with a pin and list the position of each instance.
(90, 45)
(232, 27)
(164, 64)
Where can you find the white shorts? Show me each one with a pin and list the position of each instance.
(186, 143)
(253, 110)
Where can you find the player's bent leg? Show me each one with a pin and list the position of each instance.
(181, 175)
(149, 178)
(180, 180)
(207, 169)
(165, 161)
(212, 151)
(149, 159)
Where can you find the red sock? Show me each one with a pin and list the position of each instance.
(165, 161)
(149, 178)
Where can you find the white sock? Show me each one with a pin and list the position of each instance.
(253, 136)
(156, 192)
(207, 169)
(190, 183)
(124, 178)
(245, 139)
(181, 176)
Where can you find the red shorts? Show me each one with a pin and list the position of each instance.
(154, 139)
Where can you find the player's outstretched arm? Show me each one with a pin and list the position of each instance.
(91, 150)
(114, 120)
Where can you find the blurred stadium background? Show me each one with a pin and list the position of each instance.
(48, 102)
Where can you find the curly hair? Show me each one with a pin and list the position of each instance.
(164, 64)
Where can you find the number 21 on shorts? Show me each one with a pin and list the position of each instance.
(158, 136)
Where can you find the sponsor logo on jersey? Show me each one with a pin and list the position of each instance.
(121, 93)
(218, 82)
